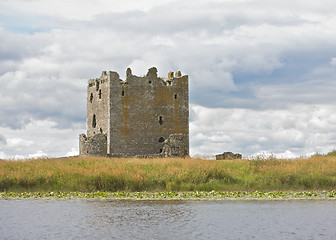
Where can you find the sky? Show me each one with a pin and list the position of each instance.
(262, 72)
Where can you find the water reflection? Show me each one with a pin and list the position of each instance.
(121, 219)
(158, 219)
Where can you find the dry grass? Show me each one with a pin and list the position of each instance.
(170, 174)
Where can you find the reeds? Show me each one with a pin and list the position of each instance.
(90, 174)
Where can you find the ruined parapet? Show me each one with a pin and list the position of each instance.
(152, 72)
(170, 75)
(228, 155)
(95, 146)
(175, 146)
(128, 73)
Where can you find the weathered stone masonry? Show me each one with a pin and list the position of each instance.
(141, 116)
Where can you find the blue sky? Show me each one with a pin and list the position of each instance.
(262, 73)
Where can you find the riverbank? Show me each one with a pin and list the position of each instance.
(92, 174)
(195, 195)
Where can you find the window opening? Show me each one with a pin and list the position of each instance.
(91, 97)
(160, 120)
(160, 150)
(161, 139)
(100, 94)
(123, 93)
(101, 130)
(175, 96)
(94, 121)
(150, 82)
(97, 85)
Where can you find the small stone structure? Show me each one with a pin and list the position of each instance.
(175, 146)
(95, 146)
(141, 116)
(228, 155)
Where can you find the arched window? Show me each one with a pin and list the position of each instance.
(161, 139)
(94, 121)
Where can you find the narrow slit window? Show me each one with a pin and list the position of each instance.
(91, 97)
(123, 93)
(97, 85)
(175, 96)
(160, 120)
(99, 94)
(101, 130)
(94, 121)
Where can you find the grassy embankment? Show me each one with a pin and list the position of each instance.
(90, 174)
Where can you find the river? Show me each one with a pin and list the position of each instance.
(160, 219)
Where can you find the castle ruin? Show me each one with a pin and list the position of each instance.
(141, 116)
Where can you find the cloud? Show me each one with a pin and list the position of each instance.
(244, 58)
(41, 137)
(2, 140)
(296, 131)
(333, 61)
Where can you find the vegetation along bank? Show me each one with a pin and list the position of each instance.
(92, 174)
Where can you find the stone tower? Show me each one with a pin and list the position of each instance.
(141, 116)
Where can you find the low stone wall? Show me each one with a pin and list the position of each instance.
(174, 146)
(228, 155)
(95, 145)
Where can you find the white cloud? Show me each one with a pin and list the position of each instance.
(76, 9)
(18, 144)
(333, 61)
(41, 138)
(256, 66)
(2, 139)
(296, 131)
(72, 152)
(3, 155)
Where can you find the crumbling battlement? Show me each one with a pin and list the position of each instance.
(138, 114)
(152, 73)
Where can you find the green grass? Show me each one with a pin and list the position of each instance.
(171, 195)
(92, 174)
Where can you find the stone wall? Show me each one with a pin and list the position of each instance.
(139, 114)
(98, 106)
(175, 146)
(146, 110)
(95, 145)
(228, 155)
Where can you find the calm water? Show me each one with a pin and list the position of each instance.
(121, 219)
